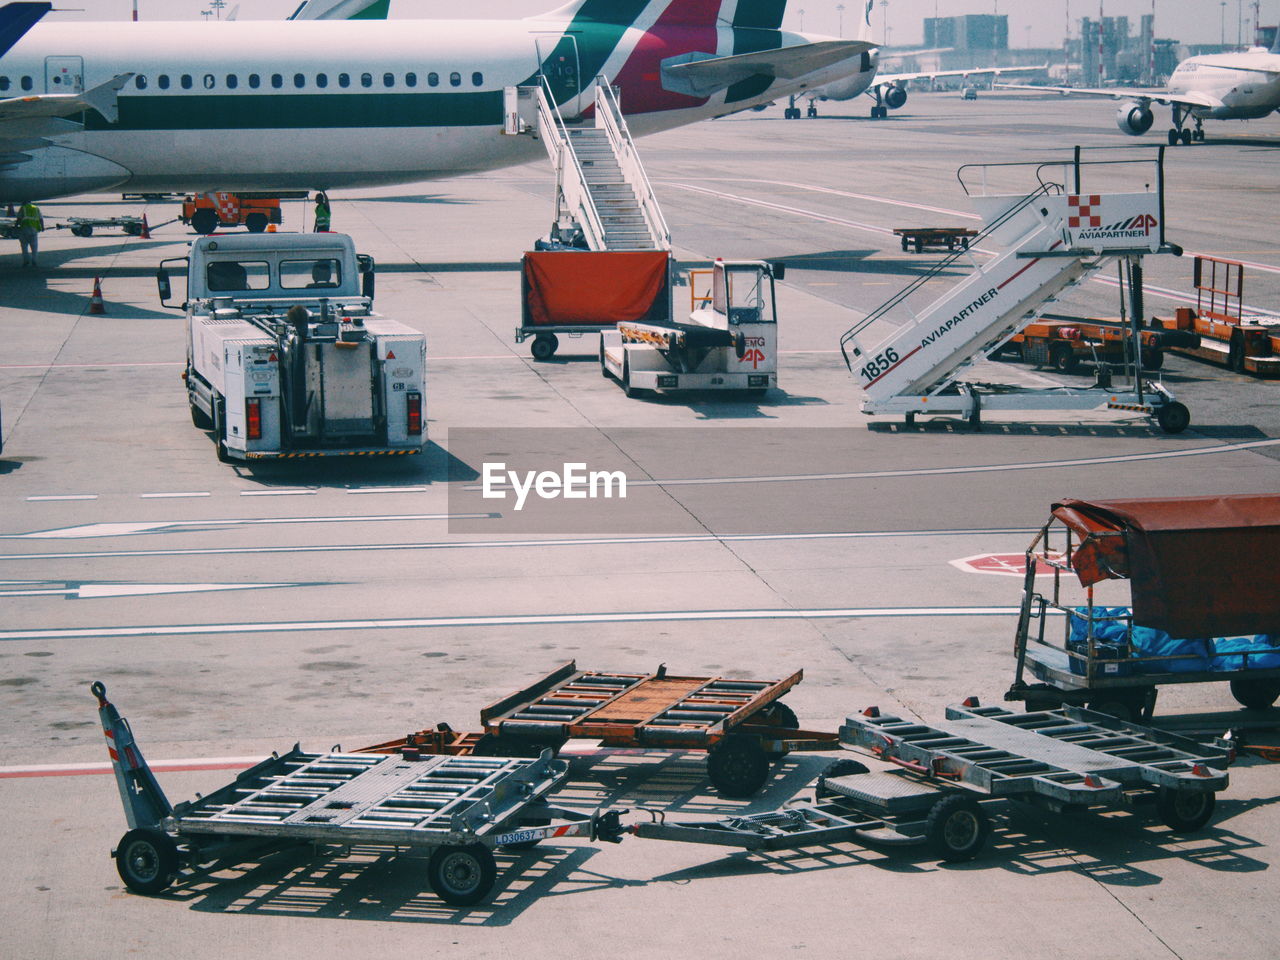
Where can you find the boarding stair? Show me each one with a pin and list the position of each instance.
(603, 197)
(915, 359)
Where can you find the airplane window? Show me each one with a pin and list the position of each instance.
(322, 79)
(455, 79)
(4, 83)
(255, 81)
(232, 81)
(366, 79)
(162, 81)
(310, 274)
(209, 81)
(344, 79)
(299, 80)
(26, 83)
(433, 79)
(140, 81)
(388, 79)
(477, 79)
(277, 81)
(410, 79)
(185, 80)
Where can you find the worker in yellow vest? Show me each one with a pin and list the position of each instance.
(323, 214)
(30, 223)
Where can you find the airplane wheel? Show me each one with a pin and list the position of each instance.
(813, 112)
(1173, 137)
(1185, 137)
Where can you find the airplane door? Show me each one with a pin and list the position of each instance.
(558, 63)
(63, 74)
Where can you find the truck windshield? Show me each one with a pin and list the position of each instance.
(222, 276)
(323, 273)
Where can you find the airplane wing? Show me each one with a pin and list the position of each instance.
(101, 98)
(701, 77)
(342, 10)
(16, 19)
(979, 72)
(1189, 99)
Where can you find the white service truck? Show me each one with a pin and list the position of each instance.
(728, 342)
(285, 355)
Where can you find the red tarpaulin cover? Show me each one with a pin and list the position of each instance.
(605, 287)
(1199, 566)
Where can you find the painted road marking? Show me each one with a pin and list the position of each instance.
(1001, 564)
(421, 623)
(161, 526)
(413, 489)
(173, 496)
(70, 496)
(509, 544)
(99, 591)
(307, 492)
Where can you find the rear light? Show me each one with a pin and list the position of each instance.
(1070, 333)
(253, 414)
(414, 404)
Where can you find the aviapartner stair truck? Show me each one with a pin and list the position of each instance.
(1049, 238)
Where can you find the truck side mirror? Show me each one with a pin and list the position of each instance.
(162, 282)
(779, 270)
(366, 275)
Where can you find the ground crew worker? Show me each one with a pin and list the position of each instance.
(323, 214)
(30, 223)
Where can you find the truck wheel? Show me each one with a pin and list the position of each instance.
(256, 222)
(201, 419)
(1063, 359)
(146, 860)
(737, 766)
(956, 828)
(544, 346)
(204, 221)
(462, 875)
(1152, 359)
(1255, 694)
(837, 768)
(1173, 417)
(1185, 810)
(1235, 354)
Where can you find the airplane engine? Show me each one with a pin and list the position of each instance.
(895, 96)
(1134, 118)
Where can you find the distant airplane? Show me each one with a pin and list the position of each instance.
(321, 104)
(1216, 86)
(888, 90)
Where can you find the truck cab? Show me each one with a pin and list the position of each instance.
(285, 354)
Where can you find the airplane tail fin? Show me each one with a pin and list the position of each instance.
(758, 14)
(342, 10)
(16, 19)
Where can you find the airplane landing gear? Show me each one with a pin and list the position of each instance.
(1179, 134)
(792, 112)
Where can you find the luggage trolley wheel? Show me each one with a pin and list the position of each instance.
(146, 860)
(737, 766)
(1255, 694)
(462, 875)
(777, 714)
(1185, 811)
(1173, 417)
(544, 346)
(956, 828)
(836, 768)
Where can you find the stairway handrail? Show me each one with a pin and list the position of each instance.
(610, 118)
(1044, 189)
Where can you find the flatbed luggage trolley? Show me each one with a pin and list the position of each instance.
(457, 809)
(1060, 759)
(1203, 583)
(741, 724)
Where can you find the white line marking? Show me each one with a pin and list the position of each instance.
(279, 493)
(415, 489)
(508, 544)
(768, 205)
(172, 496)
(294, 626)
(82, 366)
(70, 496)
(99, 591)
(129, 529)
(828, 190)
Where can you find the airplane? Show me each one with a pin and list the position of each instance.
(322, 104)
(888, 90)
(1215, 86)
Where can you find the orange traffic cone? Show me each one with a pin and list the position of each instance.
(271, 228)
(95, 302)
(146, 230)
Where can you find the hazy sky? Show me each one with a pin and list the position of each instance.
(1040, 23)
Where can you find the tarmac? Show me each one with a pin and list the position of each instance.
(232, 610)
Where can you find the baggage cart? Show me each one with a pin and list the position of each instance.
(1200, 568)
(741, 724)
(1070, 758)
(457, 809)
(917, 238)
(84, 226)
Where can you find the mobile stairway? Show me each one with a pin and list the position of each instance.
(604, 200)
(1045, 241)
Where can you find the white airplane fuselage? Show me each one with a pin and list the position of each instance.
(261, 105)
(1247, 84)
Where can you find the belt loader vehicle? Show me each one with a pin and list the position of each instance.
(285, 355)
(728, 342)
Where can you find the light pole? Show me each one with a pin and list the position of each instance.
(1222, 36)
(840, 12)
(802, 19)
(217, 6)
